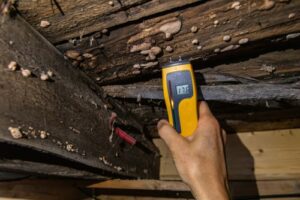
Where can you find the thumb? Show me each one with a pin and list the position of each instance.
(169, 135)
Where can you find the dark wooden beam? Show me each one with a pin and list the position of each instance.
(253, 31)
(242, 94)
(83, 18)
(58, 110)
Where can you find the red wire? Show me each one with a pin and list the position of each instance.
(125, 136)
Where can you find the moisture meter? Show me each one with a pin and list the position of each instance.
(180, 95)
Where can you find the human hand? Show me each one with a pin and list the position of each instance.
(199, 159)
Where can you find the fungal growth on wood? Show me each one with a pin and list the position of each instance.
(226, 38)
(267, 5)
(15, 132)
(111, 3)
(104, 31)
(140, 47)
(25, 72)
(268, 68)
(44, 76)
(292, 36)
(195, 41)
(236, 5)
(194, 29)
(171, 28)
(45, 24)
(73, 54)
(12, 66)
(169, 49)
(43, 134)
(137, 66)
(243, 41)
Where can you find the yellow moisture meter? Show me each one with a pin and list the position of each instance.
(180, 95)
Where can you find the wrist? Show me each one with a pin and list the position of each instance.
(210, 189)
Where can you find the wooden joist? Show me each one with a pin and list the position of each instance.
(178, 189)
(260, 156)
(75, 19)
(238, 93)
(265, 30)
(58, 110)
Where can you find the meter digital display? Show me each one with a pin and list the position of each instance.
(182, 89)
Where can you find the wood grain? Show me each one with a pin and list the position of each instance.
(268, 155)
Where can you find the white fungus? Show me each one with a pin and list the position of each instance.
(105, 31)
(43, 134)
(226, 38)
(194, 29)
(44, 24)
(111, 3)
(169, 49)
(236, 5)
(15, 132)
(12, 66)
(195, 41)
(216, 22)
(292, 15)
(44, 76)
(137, 66)
(243, 41)
(25, 72)
(50, 73)
(73, 54)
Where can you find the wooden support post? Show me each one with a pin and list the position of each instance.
(47, 105)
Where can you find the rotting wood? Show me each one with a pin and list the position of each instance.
(67, 106)
(34, 168)
(249, 93)
(250, 157)
(239, 107)
(179, 190)
(264, 29)
(84, 18)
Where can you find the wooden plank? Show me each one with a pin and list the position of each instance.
(268, 155)
(178, 189)
(266, 30)
(68, 106)
(237, 93)
(46, 189)
(83, 18)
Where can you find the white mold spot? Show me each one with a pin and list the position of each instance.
(169, 49)
(236, 5)
(43, 134)
(140, 47)
(15, 132)
(171, 28)
(45, 24)
(111, 3)
(267, 5)
(194, 29)
(292, 15)
(292, 36)
(137, 66)
(73, 54)
(12, 66)
(155, 50)
(195, 41)
(25, 72)
(243, 41)
(227, 38)
(44, 76)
